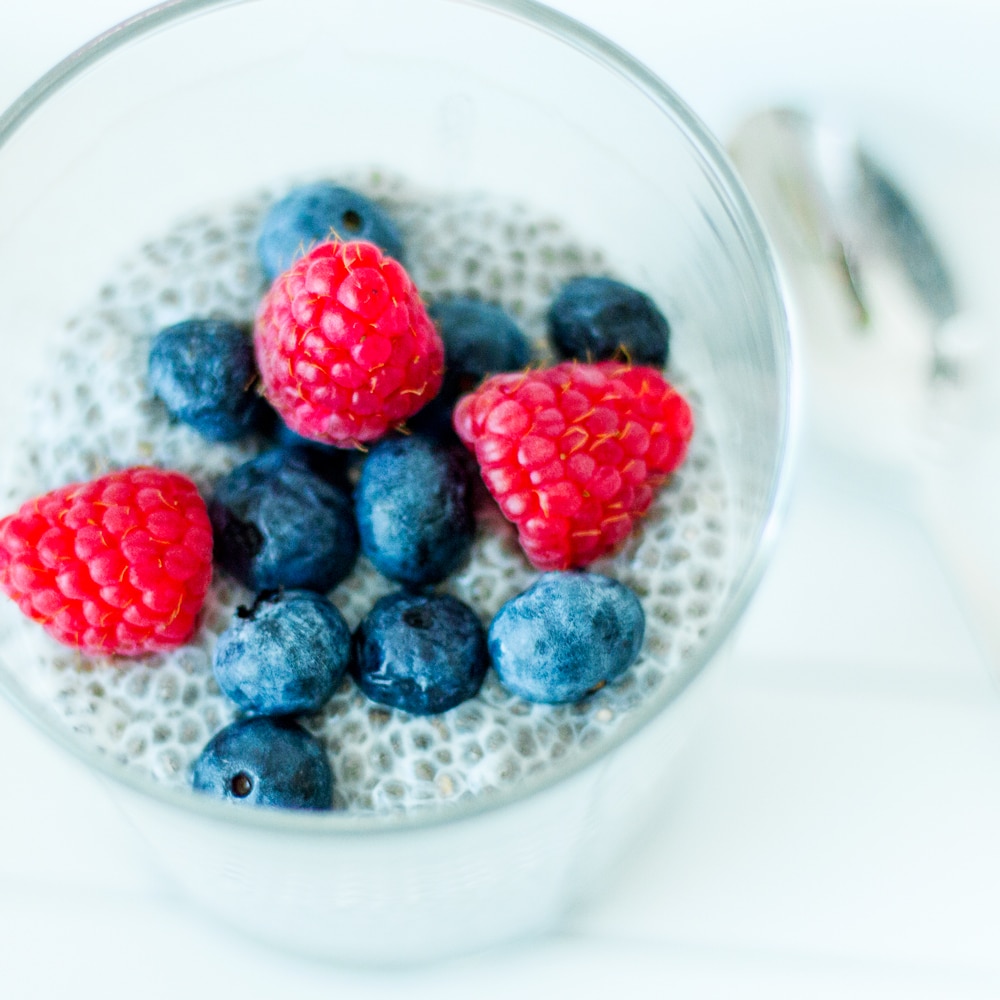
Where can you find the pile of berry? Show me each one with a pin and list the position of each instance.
(347, 355)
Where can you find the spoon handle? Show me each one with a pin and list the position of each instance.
(959, 478)
(961, 518)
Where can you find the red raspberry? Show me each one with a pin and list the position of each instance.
(574, 453)
(345, 347)
(119, 565)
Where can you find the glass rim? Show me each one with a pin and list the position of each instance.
(610, 56)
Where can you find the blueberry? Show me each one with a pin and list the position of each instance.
(326, 460)
(285, 654)
(565, 636)
(479, 339)
(278, 524)
(204, 372)
(265, 762)
(422, 653)
(594, 319)
(318, 212)
(414, 509)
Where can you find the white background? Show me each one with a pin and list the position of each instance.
(837, 832)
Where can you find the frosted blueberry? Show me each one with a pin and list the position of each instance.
(565, 636)
(283, 655)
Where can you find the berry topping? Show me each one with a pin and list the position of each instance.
(422, 653)
(277, 524)
(414, 509)
(597, 319)
(285, 654)
(265, 762)
(573, 453)
(479, 339)
(119, 565)
(326, 460)
(565, 636)
(316, 213)
(345, 347)
(204, 372)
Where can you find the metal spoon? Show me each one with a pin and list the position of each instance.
(824, 189)
(875, 297)
(893, 367)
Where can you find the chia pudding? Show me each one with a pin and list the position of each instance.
(96, 413)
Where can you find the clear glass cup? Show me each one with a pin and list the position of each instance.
(198, 99)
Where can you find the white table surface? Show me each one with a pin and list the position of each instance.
(837, 831)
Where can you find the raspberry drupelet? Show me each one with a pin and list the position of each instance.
(116, 566)
(573, 454)
(345, 347)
